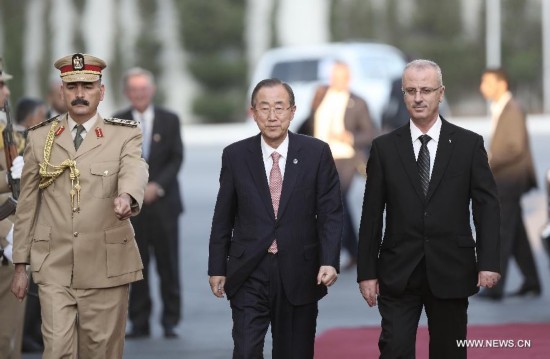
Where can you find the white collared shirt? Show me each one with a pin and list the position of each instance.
(497, 107)
(145, 120)
(87, 126)
(433, 132)
(329, 120)
(268, 160)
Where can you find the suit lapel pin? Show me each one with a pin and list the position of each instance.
(59, 131)
(156, 137)
(98, 132)
(295, 161)
(450, 140)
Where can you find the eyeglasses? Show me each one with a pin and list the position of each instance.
(266, 111)
(424, 91)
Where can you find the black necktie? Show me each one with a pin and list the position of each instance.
(78, 137)
(423, 163)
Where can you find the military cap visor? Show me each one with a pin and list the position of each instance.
(80, 68)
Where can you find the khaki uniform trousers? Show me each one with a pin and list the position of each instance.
(12, 314)
(83, 323)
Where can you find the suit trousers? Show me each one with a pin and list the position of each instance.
(346, 172)
(514, 243)
(11, 312)
(260, 301)
(83, 323)
(447, 320)
(157, 235)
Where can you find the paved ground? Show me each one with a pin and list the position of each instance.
(205, 332)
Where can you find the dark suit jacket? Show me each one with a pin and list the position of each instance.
(165, 159)
(308, 230)
(436, 227)
(510, 154)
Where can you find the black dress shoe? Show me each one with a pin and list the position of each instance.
(485, 294)
(527, 290)
(170, 333)
(138, 334)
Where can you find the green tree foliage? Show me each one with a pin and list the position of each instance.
(436, 31)
(212, 32)
(13, 18)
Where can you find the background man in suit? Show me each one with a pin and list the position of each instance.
(428, 256)
(157, 225)
(11, 312)
(276, 231)
(512, 165)
(82, 180)
(342, 119)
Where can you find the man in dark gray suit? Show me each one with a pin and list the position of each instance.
(276, 231)
(512, 165)
(423, 177)
(156, 226)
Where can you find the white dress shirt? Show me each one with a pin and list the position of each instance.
(145, 120)
(268, 160)
(433, 132)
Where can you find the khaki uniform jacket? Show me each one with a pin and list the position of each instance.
(510, 153)
(90, 248)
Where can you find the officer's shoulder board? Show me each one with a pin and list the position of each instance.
(43, 123)
(120, 122)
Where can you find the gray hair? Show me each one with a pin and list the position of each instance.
(423, 64)
(137, 71)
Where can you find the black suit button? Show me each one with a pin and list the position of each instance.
(426, 214)
(426, 239)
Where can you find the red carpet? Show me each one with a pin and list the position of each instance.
(491, 342)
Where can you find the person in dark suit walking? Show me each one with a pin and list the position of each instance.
(512, 165)
(424, 175)
(342, 119)
(276, 230)
(156, 227)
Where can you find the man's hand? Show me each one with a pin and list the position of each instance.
(20, 282)
(487, 279)
(217, 283)
(152, 191)
(122, 206)
(369, 290)
(344, 136)
(327, 275)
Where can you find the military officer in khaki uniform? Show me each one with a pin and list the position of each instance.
(11, 312)
(82, 180)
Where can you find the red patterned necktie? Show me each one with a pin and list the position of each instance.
(275, 188)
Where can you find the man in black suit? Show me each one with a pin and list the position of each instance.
(156, 226)
(276, 231)
(428, 257)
